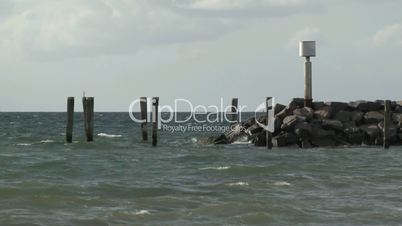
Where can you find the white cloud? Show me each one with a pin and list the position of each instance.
(391, 34)
(306, 34)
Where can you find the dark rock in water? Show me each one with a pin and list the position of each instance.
(249, 122)
(371, 132)
(305, 112)
(221, 140)
(355, 138)
(318, 105)
(343, 116)
(296, 103)
(284, 139)
(305, 144)
(332, 124)
(398, 108)
(321, 137)
(324, 113)
(279, 108)
(290, 121)
(357, 117)
(373, 117)
(337, 106)
(366, 106)
(261, 139)
(254, 129)
(303, 130)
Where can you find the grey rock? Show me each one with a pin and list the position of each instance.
(355, 138)
(284, 139)
(303, 130)
(261, 139)
(296, 103)
(284, 113)
(343, 116)
(324, 113)
(366, 106)
(373, 117)
(357, 117)
(290, 121)
(371, 132)
(279, 108)
(397, 118)
(332, 124)
(304, 112)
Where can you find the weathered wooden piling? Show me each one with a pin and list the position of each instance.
(88, 107)
(155, 106)
(268, 103)
(70, 119)
(387, 118)
(235, 112)
(144, 111)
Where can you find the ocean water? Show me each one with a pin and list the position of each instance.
(120, 180)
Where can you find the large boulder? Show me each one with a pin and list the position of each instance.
(323, 113)
(337, 106)
(371, 133)
(305, 112)
(279, 108)
(317, 105)
(343, 116)
(284, 113)
(397, 118)
(296, 103)
(366, 106)
(393, 131)
(373, 117)
(290, 121)
(261, 139)
(303, 130)
(321, 137)
(284, 139)
(357, 117)
(335, 125)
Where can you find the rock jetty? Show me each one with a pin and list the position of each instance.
(328, 124)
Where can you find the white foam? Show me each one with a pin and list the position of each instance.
(142, 212)
(194, 140)
(282, 183)
(108, 135)
(216, 168)
(239, 184)
(23, 144)
(47, 141)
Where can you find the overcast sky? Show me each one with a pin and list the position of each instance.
(202, 50)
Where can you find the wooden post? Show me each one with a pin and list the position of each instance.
(144, 111)
(70, 119)
(155, 106)
(308, 90)
(387, 116)
(88, 109)
(269, 135)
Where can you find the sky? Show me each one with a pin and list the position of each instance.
(200, 50)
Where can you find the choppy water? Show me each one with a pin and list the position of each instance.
(119, 180)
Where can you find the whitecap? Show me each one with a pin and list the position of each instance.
(23, 144)
(194, 140)
(216, 168)
(108, 135)
(282, 183)
(141, 212)
(47, 141)
(239, 184)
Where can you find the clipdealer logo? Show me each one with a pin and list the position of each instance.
(199, 118)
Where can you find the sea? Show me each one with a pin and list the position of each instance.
(121, 180)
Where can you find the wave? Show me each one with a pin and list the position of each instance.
(282, 183)
(240, 183)
(23, 144)
(142, 212)
(109, 135)
(47, 141)
(216, 168)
